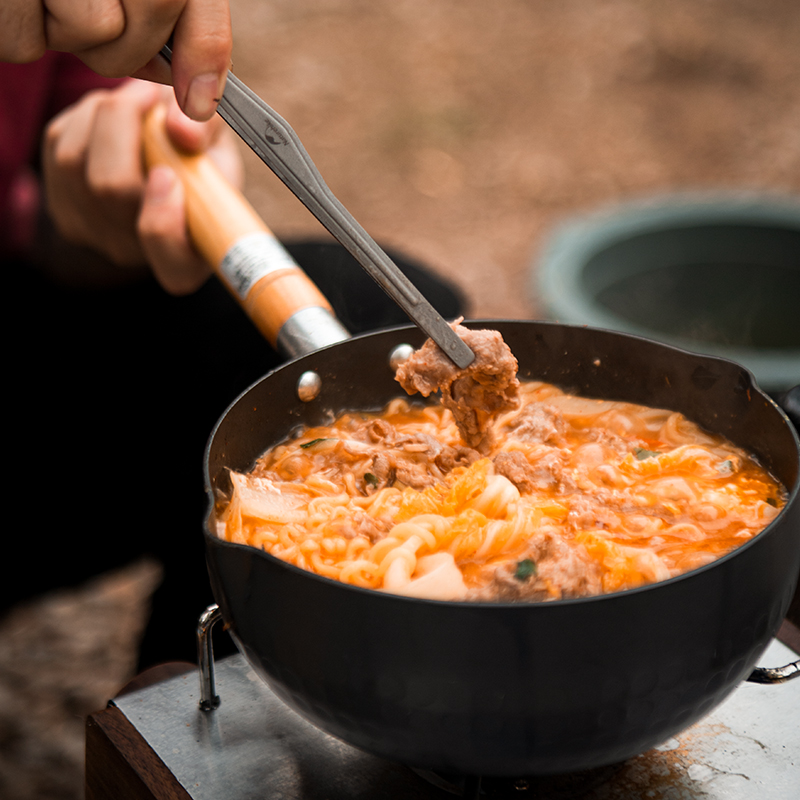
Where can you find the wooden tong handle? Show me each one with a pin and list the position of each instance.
(255, 268)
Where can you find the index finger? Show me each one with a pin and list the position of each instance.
(147, 26)
(75, 25)
(114, 153)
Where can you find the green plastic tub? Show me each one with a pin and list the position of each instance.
(713, 274)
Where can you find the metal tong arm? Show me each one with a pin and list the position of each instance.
(279, 147)
(274, 141)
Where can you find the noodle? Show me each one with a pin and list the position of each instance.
(574, 497)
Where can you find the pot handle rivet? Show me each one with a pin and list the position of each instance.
(309, 386)
(399, 355)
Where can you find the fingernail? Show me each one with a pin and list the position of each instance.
(202, 97)
(160, 183)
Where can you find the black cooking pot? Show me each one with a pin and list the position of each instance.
(480, 688)
(510, 689)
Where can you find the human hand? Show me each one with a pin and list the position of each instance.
(116, 38)
(99, 196)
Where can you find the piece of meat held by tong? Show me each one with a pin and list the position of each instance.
(475, 395)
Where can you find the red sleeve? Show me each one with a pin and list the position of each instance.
(30, 94)
(71, 79)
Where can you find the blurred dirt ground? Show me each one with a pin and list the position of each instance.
(460, 132)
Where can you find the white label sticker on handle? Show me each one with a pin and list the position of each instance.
(251, 258)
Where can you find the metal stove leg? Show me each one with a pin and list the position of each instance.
(205, 657)
(775, 674)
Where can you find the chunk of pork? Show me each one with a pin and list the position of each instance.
(560, 572)
(475, 395)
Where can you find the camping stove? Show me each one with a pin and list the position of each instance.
(251, 745)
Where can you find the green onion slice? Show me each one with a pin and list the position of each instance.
(641, 453)
(525, 569)
(306, 445)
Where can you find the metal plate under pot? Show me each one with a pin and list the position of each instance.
(253, 745)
